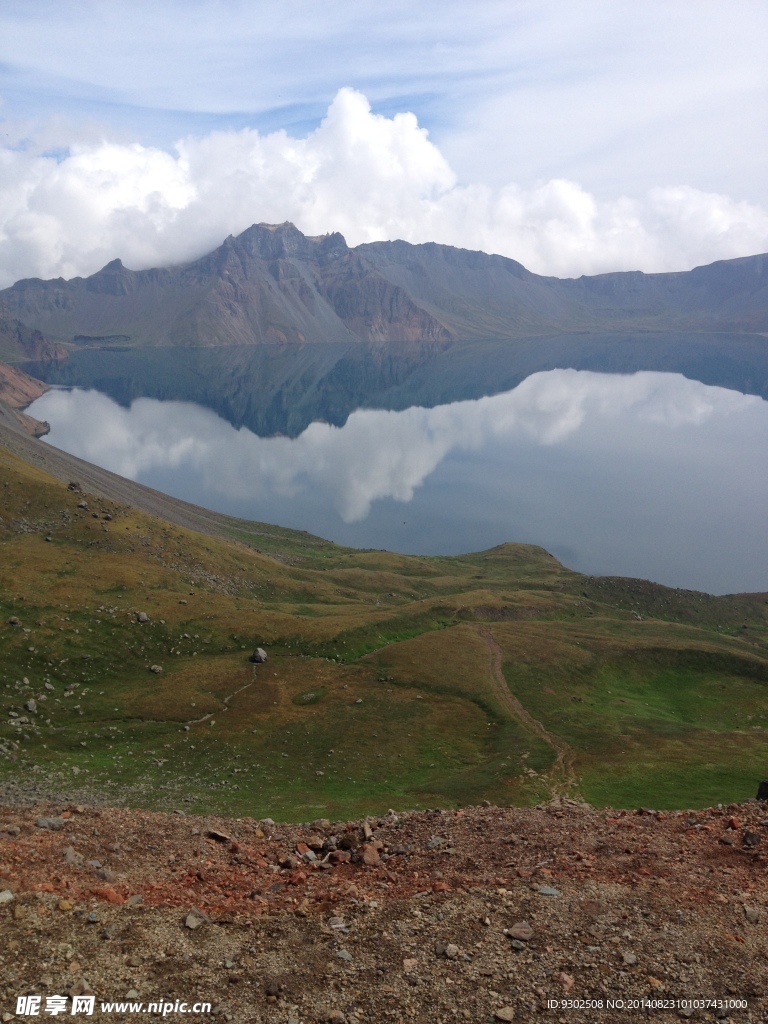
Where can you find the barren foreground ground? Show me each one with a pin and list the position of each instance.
(483, 914)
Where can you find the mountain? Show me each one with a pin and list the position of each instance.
(17, 390)
(273, 284)
(18, 342)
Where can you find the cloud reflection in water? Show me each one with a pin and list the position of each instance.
(599, 447)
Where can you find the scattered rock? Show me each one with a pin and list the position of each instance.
(548, 890)
(53, 824)
(369, 855)
(196, 919)
(81, 988)
(219, 837)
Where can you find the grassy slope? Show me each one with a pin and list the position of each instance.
(379, 690)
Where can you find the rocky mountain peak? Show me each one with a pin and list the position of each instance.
(285, 241)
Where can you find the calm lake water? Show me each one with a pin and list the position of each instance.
(647, 474)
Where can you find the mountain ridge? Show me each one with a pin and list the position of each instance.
(274, 285)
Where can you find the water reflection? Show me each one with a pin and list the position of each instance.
(649, 474)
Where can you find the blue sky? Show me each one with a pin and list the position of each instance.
(582, 137)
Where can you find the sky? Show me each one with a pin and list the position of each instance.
(576, 138)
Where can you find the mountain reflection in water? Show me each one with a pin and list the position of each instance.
(648, 474)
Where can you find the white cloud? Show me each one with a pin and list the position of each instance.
(369, 176)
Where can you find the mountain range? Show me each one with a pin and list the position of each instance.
(273, 284)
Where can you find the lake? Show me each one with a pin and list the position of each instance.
(645, 474)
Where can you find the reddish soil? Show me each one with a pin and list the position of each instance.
(654, 909)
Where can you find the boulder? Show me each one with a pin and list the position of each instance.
(259, 656)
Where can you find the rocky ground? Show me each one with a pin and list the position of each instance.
(486, 914)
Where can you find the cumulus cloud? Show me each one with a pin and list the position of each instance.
(381, 454)
(369, 176)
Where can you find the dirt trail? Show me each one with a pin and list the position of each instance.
(225, 701)
(562, 778)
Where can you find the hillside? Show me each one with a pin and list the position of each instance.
(272, 284)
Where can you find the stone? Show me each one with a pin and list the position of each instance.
(565, 981)
(451, 951)
(343, 954)
(548, 890)
(506, 1013)
(750, 840)
(53, 824)
(335, 1017)
(752, 914)
(630, 959)
(410, 964)
(157, 669)
(16, 621)
(142, 617)
(436, 842)
(219, 837)
(31, 705)
(369, 855)
(6, 896)
(521, 930)
(71, 856)
(134, 901)
(132, 993)
(259, 656)
(81, 988)
(196, 919)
